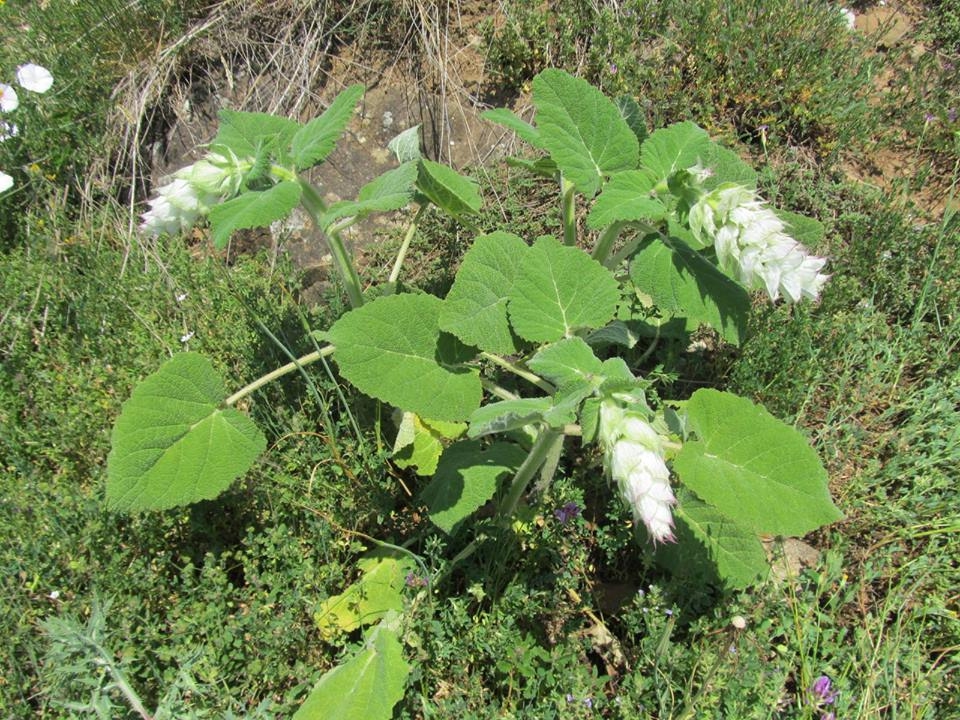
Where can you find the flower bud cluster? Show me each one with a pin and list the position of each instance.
(752, 244)
(192, 192)
(634, 457)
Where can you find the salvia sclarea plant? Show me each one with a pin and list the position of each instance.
(678, 238)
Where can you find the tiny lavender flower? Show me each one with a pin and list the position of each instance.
(821, 696)
(822, 691)
(415, 581)
(752, 244)
(567, 513)
(635, 460)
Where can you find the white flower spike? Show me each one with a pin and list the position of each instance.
(752, 244)
(34, 78)
(635, 460)
(191, 193)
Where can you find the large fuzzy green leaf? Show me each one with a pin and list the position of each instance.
(677, 147)
(450, 191)
(505, 117)
(366, 687)
(420, 442)
(625, 198)
(752, 467)
(315, 140)
(253, 209)
(475, 309)
(378, 591)
(389, 350)
(507, 415)
(582, 130)
(682, 282)
(566, 361)
(559, 290)
(466, 479)
(710, 543)
(248, 134)
(390, 191)
(174, 444)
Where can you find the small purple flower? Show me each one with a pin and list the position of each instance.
(822, 692)
(613, 68)
(828, 716)
(929, 117)
(567, 513)
(952, 115)
(415, 581)
(588, 702)
(570, 697)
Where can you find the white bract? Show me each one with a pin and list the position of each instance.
(634, 456)
(192, 192)
(753, 246)
(6, 181)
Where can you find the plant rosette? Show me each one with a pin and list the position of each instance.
(678, 239)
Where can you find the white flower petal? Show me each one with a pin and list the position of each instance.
(35, 78)
(8, 98)
(6, 182)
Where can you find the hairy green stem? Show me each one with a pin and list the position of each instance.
(314, 205)
(520, 372)
(405, 246)
(535, 458)
(491, 387)
(643, 229)
(606, 240)
(279, 372)
(567, 199)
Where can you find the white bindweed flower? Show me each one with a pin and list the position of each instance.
(34, 78)
(6, 182)
(752, 244)
(8, 98)
(634, 456)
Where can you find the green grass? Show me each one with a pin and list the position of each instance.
(786, 71)
(211, 607)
